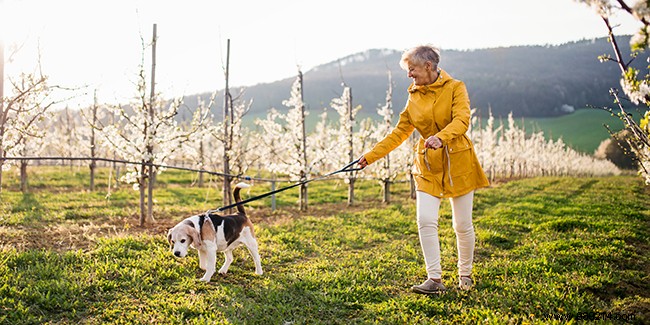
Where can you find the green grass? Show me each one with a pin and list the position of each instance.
(549, 250)
(583, 130)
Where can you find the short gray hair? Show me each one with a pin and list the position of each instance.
(419, 55)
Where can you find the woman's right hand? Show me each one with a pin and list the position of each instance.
(362, 162)
(433, 142)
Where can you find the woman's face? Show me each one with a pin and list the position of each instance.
(420, 73)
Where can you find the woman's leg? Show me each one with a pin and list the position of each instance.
(427, 208)
(461, 208)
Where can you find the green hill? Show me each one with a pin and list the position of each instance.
(530, 81)
(583, 130)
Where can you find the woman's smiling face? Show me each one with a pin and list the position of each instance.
(420, 73)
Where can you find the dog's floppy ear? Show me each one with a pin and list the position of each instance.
(196, 237)
(169, 239)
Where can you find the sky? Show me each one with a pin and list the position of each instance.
(97, 45)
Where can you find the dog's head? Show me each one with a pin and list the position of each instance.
(181, 237)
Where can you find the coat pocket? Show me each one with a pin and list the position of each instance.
(461, 156)
(429, 161)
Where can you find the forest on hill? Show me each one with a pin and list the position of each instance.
(529, 81)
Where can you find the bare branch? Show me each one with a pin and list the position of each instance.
(617, 51)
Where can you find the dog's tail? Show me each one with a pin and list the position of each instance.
(235, 193)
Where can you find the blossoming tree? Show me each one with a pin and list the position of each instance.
(396, 162)
(286, 142)
(635, 84)
(344, 135)
(21, 111)
(146, 131)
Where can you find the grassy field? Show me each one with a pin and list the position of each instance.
(582, 130)
(549, 250)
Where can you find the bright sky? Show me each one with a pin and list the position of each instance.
(98, 42)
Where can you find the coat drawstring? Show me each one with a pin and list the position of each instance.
(451, 182)
(426, 162)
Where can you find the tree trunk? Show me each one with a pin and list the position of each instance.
(227, 113)
(141, 182)
(92, 175)
(151, 182)
(351, 178)
(351, 191)
(303, 173)
(386, 182)
(93, 163)
(227, 196)
(2, 162)
(201, 163)
(273, 196)
(303, 197)
(152, 98)
(412, 183)
(23, 176)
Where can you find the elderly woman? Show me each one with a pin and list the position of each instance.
(446, 165)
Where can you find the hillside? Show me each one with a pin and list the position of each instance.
(583, 130)
(531, 81)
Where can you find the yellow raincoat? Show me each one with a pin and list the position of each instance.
(441, 109)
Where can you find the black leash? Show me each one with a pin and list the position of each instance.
(345, 169)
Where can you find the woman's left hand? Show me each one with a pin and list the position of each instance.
(433, 142)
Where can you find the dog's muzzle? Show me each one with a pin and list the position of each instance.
(177, 253)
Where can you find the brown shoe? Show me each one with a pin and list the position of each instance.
(428, 287)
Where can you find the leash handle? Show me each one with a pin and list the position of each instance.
(347, 168)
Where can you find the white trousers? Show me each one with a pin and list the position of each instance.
(428, 207)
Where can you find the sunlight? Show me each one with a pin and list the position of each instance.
(13, 22)
(19, 26)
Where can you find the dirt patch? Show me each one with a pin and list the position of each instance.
(71, 236)
(83, 235)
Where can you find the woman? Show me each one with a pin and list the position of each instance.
(446, 165)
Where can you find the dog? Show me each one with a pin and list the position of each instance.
(210, 233)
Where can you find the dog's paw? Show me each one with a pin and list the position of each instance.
(259, 272)
(207, 276)
(223, 271)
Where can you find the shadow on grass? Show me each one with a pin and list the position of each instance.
(30, 206)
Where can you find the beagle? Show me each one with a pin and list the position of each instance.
(212, 233)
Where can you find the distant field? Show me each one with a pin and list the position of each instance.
(582, 130)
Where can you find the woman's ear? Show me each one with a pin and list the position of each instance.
(428, 66)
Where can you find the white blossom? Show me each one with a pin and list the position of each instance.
(637, 93)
